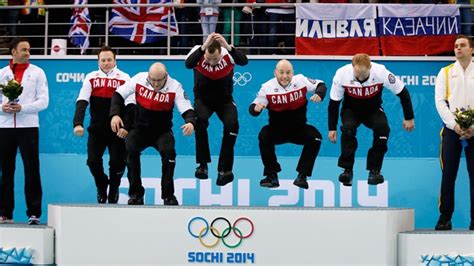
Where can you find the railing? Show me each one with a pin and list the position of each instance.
(249, 32)
(48, 27)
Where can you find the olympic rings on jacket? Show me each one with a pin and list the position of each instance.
(217, 234)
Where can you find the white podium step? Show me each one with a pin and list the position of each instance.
(22, 243)
(429, 247)
(92, 234)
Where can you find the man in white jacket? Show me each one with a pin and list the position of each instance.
(19, 129)
(454, 90)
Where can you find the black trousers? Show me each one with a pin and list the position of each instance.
(451, 149)
(27, 140)
(96, 145)
(227, 113)
(375, 120)
(137, 141)
(308, 136)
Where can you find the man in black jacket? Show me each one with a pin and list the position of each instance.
(97, 90)
(213, 64)
(285, 98)
(359, 87)
(156, 94)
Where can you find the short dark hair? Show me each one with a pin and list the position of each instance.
(215, 45)
(469, 39)
(105, 49)
(16, 41)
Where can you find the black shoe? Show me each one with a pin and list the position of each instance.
(301, 182)
(170, 201)
(101, 196)
(201, 172)
(135, 200)
(113, 196)
(471, 226)
(224, 178)
(443, 224)
(270, 181)
(375, 177)
(346, 177)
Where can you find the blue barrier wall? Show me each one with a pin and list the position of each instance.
(412, 168)
(65, 79)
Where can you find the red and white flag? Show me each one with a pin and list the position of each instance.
(418, 29)
(143, 24)
(333, 29)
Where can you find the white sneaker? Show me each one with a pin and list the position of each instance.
(33, 220)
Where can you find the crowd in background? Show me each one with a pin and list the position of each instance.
(251, 32)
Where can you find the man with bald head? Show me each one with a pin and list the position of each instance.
(360, 84)
(285, 98)
(155, 94)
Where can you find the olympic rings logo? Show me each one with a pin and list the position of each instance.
(242, 79)
(203, 231)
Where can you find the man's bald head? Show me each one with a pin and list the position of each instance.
(284, 72)
(157, 69)
(157, 75)
(284, 64)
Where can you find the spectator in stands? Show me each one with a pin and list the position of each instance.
(228, 19)
(258, 27)
(59, 22)
(466, 17)
(453, 90)
(213, 64)
(31, 23)
(97, 89)
(10, 16)
(98, 27)
(156, 94)
(209, 13)
(281, 21)
(360, 84)
(19, 124)
(285, 98)
(187, 18)
(273, 27)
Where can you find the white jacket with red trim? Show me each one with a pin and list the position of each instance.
(33, 99)
(154, 109)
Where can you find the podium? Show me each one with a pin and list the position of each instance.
(421, 247)
(23, 243)
(107, 234)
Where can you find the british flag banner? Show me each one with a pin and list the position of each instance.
(335, 29)
(418, 29)
(80, 26)
(143, 24)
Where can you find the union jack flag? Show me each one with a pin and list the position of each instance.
(80, 26)
(143, 24)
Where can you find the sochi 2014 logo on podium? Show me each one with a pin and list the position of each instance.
(220, 230)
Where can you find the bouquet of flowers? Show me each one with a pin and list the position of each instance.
(464, 117)
(12, 90)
